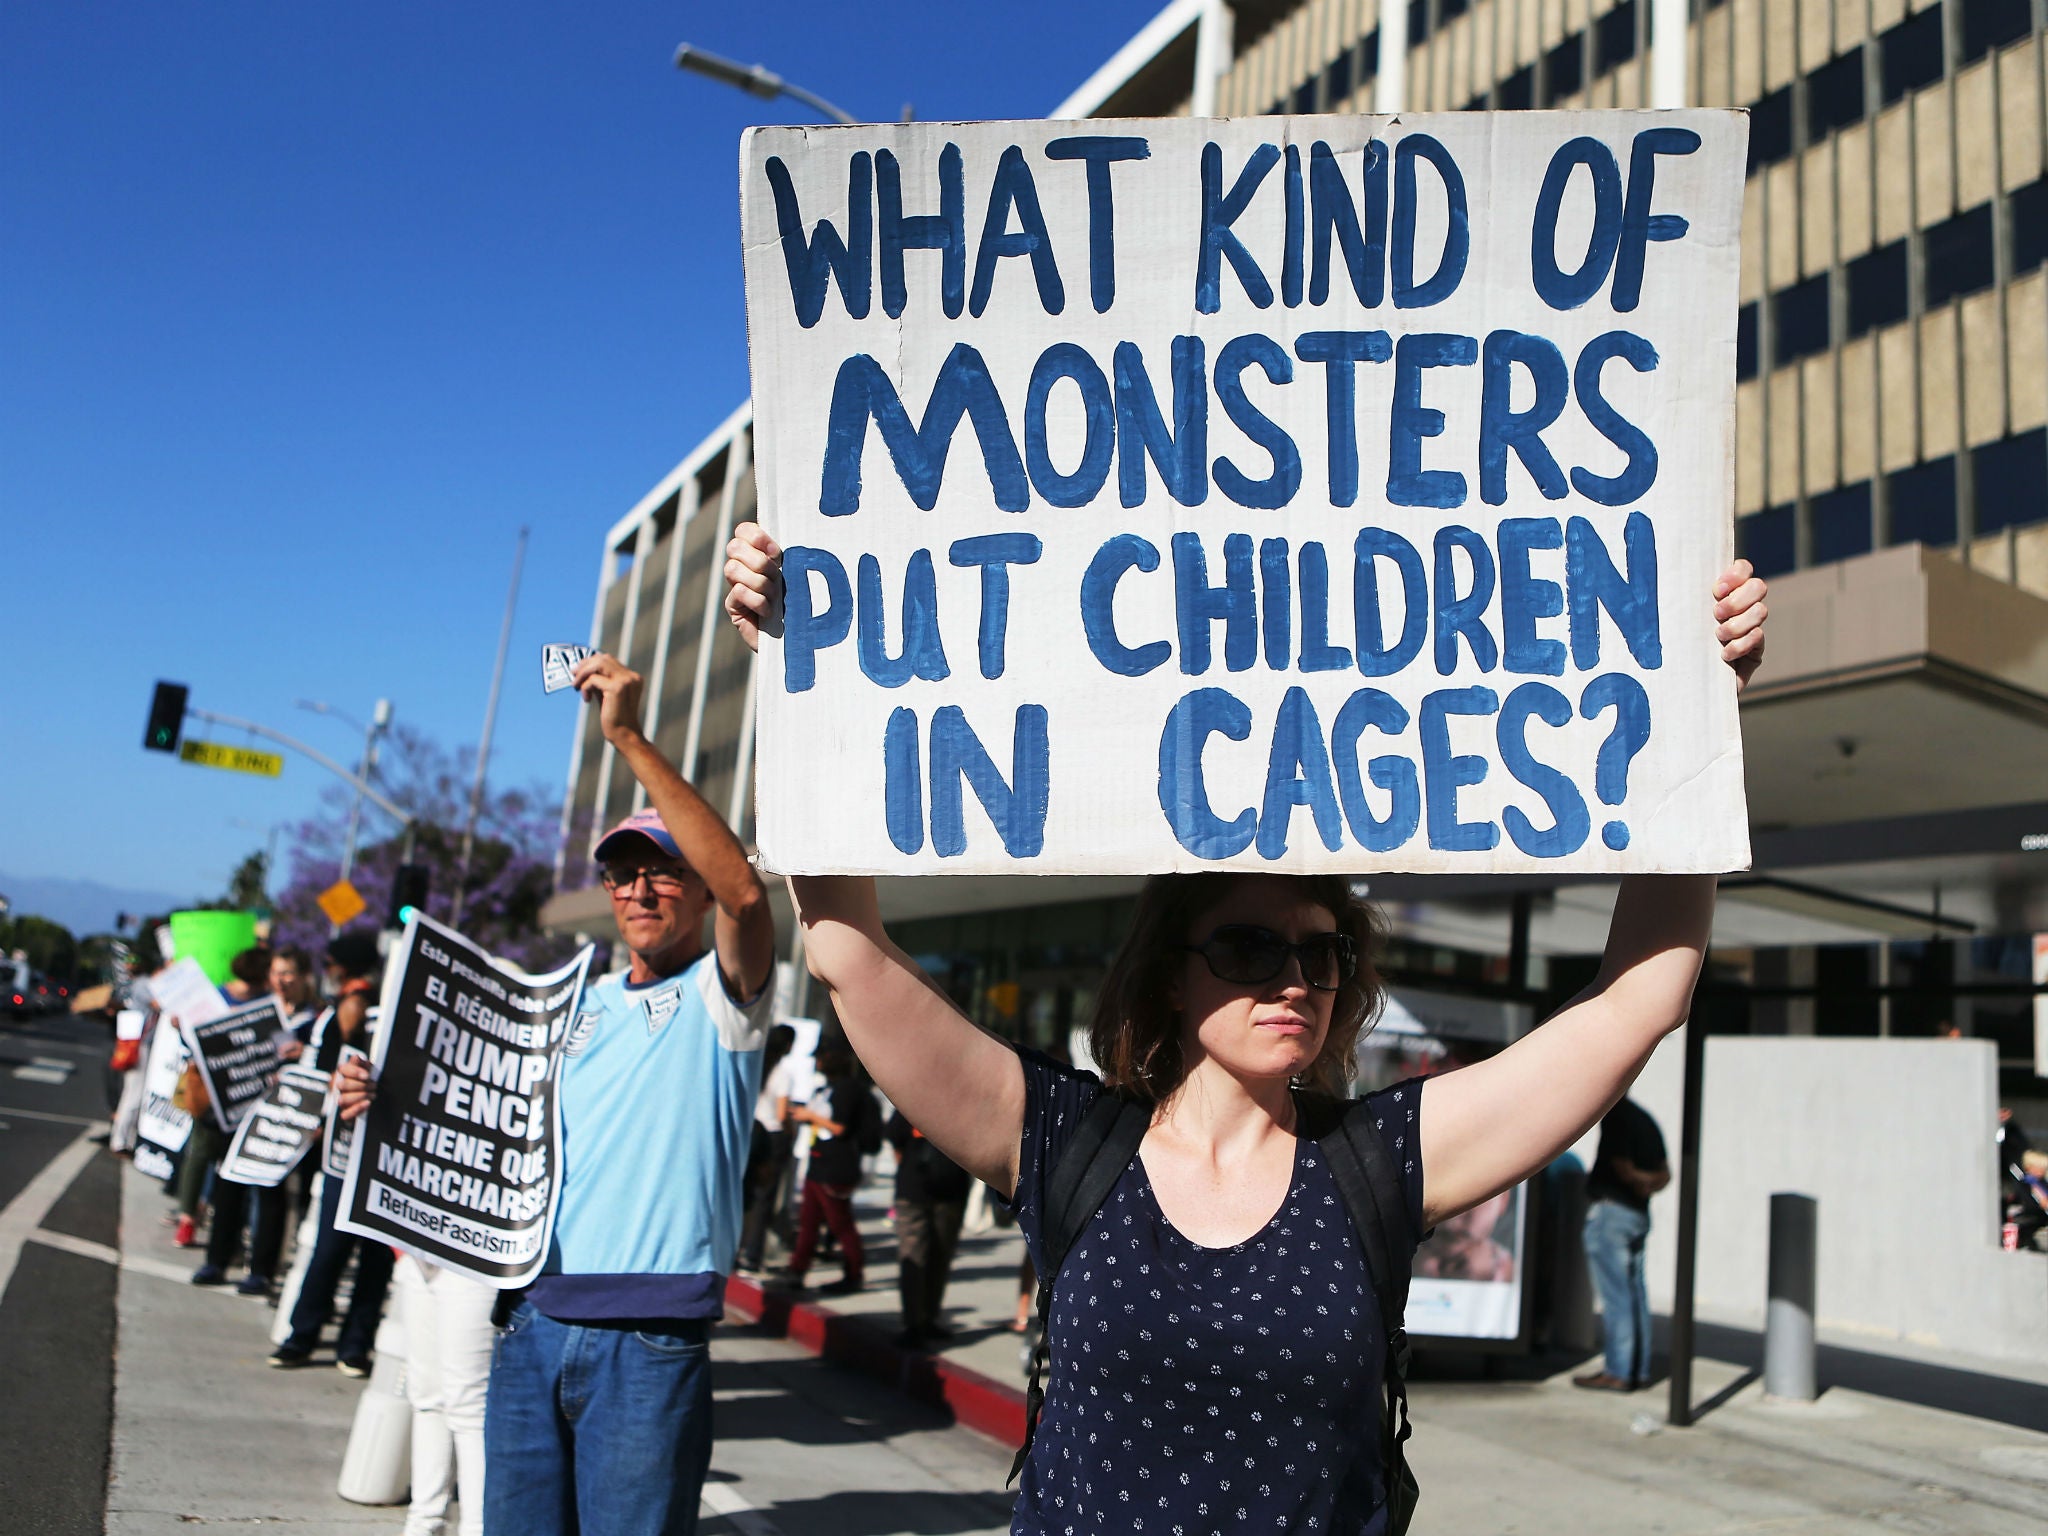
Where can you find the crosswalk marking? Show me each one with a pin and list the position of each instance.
(724, 1499)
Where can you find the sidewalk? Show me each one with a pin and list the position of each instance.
(1897, 1441)
(979, 1374)
(205, 1434)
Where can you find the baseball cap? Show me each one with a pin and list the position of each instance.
(645, 824)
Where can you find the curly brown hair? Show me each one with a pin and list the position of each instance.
(1135, 1033)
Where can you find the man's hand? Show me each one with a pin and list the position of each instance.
(1739, 614)
(354, 1085)
(615, 689)
(753, 583)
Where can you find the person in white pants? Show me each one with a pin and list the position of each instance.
(448, 1371)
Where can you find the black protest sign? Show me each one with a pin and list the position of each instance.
(456, 1159)
(278, 1128)
(237, 1056)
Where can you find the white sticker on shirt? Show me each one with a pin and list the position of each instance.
(662, 1006)
(580, 1031)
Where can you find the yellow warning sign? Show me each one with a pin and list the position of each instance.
(214, 754)
(341, 903)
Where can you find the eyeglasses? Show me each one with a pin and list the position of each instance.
(662, 880)
(1248, 955)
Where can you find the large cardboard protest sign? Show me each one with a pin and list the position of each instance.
(1292, 493)
(278, 1128)
(339, 1135)
(180, 991)
(458, 1157)
(161, 1127)
(237, 1056)
(183, 993)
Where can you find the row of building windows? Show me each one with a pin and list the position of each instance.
(1906, 57)
(2007, 480)
(1958, 257)
(1561, 73)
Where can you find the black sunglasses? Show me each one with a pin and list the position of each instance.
(1248, 955)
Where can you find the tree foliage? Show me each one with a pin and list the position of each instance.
(47, 946)
(511, 866)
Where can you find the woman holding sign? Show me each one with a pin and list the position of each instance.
(1217, 1341)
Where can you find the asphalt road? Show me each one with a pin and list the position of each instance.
(59, 1208)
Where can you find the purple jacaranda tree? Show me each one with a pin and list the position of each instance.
(511, 868)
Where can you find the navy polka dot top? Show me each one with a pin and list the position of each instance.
(1197, 1390)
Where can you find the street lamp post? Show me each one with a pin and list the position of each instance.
(380, 722)
(757, 80)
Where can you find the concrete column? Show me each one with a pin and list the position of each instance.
(1786, 967)
(657, 683)
(1390, 86)
(1215, 49)
(1668, 48)
(643, 544)
(738, 464)
(1961, 972)
(1788, 1322)
(606, 571)
(1803, 971)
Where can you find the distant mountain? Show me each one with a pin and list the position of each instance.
(83, 906)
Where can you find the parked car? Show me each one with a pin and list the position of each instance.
(17, 988)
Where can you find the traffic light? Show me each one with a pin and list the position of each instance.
(408, 894)
(166, 718)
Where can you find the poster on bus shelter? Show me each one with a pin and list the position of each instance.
(458, 1158)
(1307, 493)
(1470, 1272)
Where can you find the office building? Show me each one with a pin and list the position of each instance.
(1891, 478)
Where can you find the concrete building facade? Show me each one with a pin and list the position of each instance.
(1891, 477)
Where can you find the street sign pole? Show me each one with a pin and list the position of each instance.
(380, 721)
(483, 749)
(1679, 1412)
(361, 784)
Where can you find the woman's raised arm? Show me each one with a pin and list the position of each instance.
(963, 1088)
(960, 1086)
(1491, 1125)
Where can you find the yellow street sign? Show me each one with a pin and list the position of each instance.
(341, 903)
(214, 754)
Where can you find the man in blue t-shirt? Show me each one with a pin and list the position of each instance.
(599, 1413)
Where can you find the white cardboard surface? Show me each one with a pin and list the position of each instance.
(1475, 748)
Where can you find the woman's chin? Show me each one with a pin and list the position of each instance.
(1279, 1062)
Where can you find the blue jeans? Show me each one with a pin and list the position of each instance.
(1614, 1252)
(597, 1430)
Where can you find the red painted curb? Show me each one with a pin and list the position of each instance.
(980, 1402)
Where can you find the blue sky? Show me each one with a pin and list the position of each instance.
(304, 310)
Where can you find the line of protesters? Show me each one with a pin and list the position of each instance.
(447, 1317)
(1231, 991)
(450, 1334)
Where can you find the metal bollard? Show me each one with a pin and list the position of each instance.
(1788, 1323)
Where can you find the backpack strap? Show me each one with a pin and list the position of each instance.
(1371, 1190)
(1104, 1143)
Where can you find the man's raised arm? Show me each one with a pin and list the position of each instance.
(744, 926)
